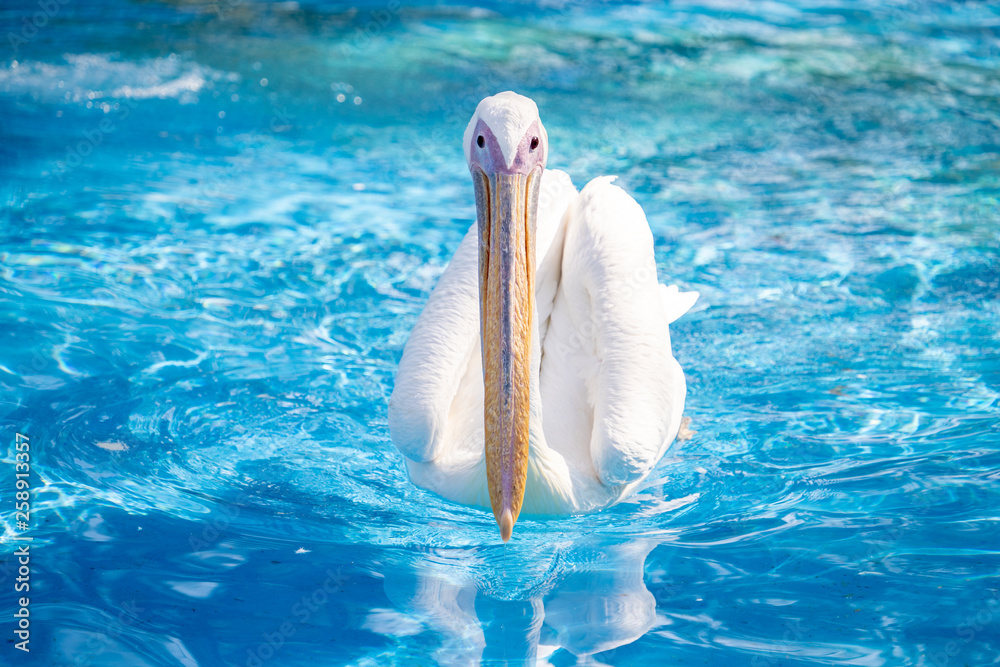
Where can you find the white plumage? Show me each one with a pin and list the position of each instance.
(606, 392)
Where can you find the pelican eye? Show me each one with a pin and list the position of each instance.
(480, 141)
(534, 143)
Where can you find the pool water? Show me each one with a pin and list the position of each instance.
(219, 222)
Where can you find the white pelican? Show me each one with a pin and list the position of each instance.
(555, 294)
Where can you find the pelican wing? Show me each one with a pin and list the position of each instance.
(609, 381)
(437, 356)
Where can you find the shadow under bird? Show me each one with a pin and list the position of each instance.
(540, 377)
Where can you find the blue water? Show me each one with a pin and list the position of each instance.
(218, 223)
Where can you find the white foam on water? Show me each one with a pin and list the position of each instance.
(93, 77)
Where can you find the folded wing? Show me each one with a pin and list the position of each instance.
(612, 392)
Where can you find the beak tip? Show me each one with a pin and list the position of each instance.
(506, 525)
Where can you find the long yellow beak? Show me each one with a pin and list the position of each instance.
(506, 206)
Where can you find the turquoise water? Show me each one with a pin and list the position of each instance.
(218, 223)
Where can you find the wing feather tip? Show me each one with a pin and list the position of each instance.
(677, 303)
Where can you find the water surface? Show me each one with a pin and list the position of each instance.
(219, 222)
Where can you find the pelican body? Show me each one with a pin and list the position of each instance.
(540, 377)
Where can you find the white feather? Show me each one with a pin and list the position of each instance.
(606, 395)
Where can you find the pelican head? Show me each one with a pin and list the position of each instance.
(506, 147)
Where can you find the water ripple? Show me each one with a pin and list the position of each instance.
(202, 317)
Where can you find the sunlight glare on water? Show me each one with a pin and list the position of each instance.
(220, 221)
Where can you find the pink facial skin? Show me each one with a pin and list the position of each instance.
(489, 157)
